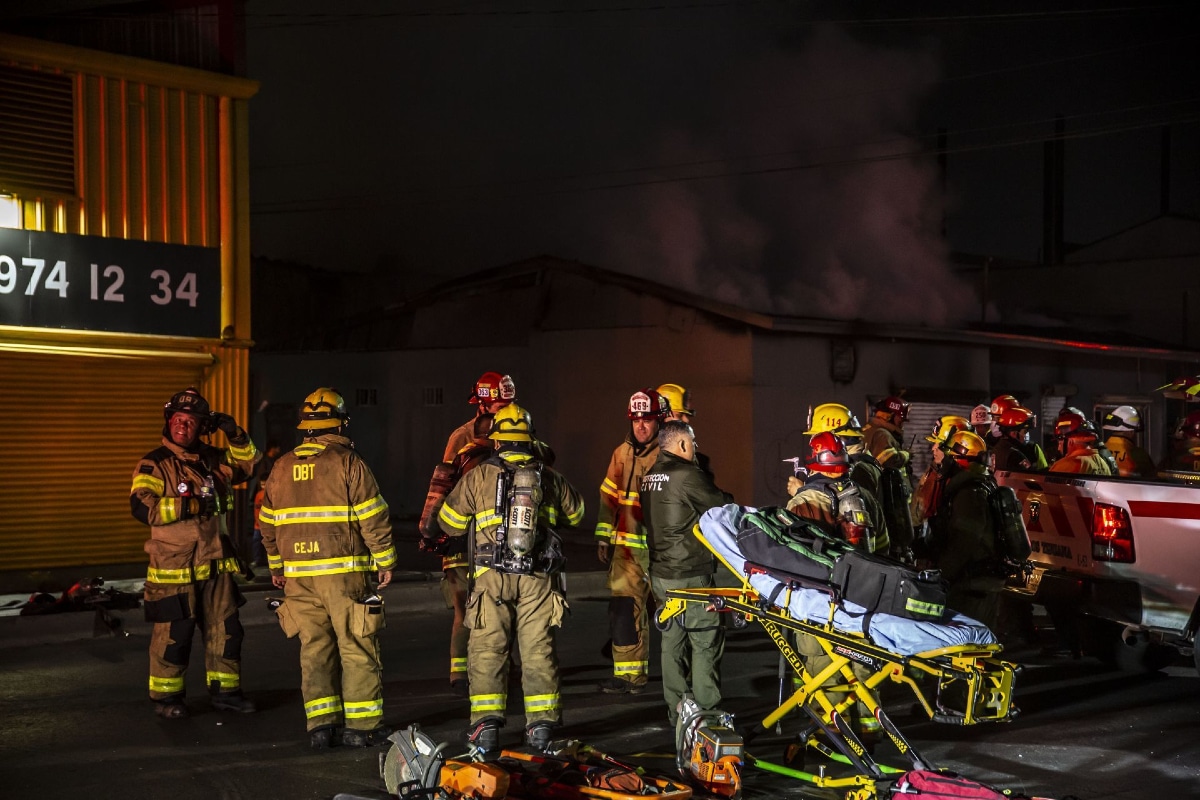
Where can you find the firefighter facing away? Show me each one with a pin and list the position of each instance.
(467, 446)
(183, 492)
(509, 505)
(622, 544)
(326, 531)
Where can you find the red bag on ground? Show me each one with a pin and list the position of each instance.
(922, 784)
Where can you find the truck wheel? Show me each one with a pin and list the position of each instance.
(1138, 654)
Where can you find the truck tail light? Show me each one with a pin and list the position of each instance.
(1112, 535)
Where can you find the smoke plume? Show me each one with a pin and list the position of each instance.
(825, 204)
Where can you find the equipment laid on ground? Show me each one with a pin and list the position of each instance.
(415, 767)
(708, 750)
(956, 652)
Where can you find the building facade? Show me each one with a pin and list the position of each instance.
(124, 278)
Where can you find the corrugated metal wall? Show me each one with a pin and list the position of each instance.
(75, 417)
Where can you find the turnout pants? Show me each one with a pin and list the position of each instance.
(341, 673)
(629, 580)
(501, 610)
(454, 591)
(177, 610)
(691, 649)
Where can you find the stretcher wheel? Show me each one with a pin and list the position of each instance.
(662, 627)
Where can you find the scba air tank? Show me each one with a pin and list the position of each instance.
(523, 511)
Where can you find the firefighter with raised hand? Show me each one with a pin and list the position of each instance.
(510, 505)
(327, 532)
(467, 446)
(674, 493)
(183, 491)
(622, 544)
(1123, 424)
(1079, 446)
(1015, 448)
(963, 531)
(883, 433)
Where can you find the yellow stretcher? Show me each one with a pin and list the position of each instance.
(972, 684)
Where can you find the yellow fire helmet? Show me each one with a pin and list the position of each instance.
(946, 427)
(323, 409)
(834, 418)
(679, 398)
(965, 447)
(512, 424)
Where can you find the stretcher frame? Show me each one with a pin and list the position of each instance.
(973, 685)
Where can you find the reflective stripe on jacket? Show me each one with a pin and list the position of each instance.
(322, 513)
(474, 499)
(186, 550)
(619, 518)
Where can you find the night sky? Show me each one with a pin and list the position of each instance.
(775, 154)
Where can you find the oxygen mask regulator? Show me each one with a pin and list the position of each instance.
(517, 538)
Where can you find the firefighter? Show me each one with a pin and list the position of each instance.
(621, 544)
(866, 473)
(1014, 448)
(674, 493)
(981, 420)
(515, 597)
(183, 491)
(928, 492)
(884, 431)
(1078, 444)
(327, 530)
(963, 532)
(1185, 445)
(679, 407)
(467, 446)
(1123, 424)
(831, 501)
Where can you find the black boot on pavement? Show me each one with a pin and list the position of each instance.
(170, 709)
(352, 737)
(616, 685)
(233, 701)
(322, 738)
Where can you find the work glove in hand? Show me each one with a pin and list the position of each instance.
(190, 507)
(225, 424)
(438, 544)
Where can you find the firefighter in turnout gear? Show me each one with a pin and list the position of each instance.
(833, 502)
(928, 493)
(622, 544)
(1079, 445)
(467, 446)
(674, 494)
(1185, 445)
(1014, 449)
(883, 433)
(886, 487)
(1123, 424)
(327, 531)
(183, 491)
(508, 507)
(963, 531)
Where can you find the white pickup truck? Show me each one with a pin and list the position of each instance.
(1124, 552)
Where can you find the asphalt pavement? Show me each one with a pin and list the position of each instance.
(77, 722)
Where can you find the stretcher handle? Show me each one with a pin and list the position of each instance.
(793, 580)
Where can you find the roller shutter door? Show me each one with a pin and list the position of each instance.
(72, 428)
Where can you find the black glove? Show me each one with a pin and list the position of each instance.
(190, 507)
(225, 424)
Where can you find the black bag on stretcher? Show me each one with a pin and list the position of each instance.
(883, 586)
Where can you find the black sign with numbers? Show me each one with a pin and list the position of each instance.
(56, 280)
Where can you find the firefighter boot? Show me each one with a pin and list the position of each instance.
(352, 737)
(485, 736)
(537, 736)
(233, 701)
(322, 738)
(170, 709)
